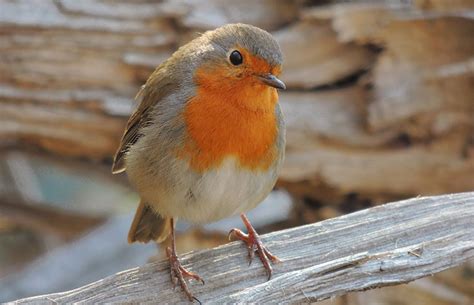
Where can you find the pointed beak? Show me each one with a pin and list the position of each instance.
(272, 80)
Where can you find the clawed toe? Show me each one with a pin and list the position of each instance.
(179, 275)
(255, 245)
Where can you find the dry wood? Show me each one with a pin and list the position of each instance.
(435, 80)
(62, 130)
(328, 143)
(209, 14)
(422, 81)
(441, 5)
(332, 117)
(46, 219)
(386, 245)
(320, 60)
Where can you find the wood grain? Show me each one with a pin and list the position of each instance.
(386, 245)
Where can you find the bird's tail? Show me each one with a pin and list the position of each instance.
(148, 225)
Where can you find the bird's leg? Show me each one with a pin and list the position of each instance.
(252, 239)
(178, 272)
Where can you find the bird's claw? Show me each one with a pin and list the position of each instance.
(255, 245)
(179, 274)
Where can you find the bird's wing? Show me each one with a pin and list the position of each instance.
(157, 86)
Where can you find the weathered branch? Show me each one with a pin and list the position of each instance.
(386, 245)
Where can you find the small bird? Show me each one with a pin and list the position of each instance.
(207, 139)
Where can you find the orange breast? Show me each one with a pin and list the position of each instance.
(225, 119)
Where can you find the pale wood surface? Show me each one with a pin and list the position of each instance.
(386, 245)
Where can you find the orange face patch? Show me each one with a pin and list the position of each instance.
(230, 118)
(257, 64)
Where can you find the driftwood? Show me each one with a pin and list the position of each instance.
(386, 245)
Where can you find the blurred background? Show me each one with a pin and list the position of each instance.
(380, 107)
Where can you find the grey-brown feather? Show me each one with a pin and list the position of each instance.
(148, 225)
(156, 131)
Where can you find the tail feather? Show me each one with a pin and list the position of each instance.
(148, 225)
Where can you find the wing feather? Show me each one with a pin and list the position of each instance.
(156, 87)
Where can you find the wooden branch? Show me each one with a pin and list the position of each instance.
(386, 245)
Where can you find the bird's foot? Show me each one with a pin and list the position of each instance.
(179, 274)
(254, 244)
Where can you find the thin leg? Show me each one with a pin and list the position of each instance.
(179, 273)
(254, 244)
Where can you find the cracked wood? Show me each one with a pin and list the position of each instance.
(386, 245)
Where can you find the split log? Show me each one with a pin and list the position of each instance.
(386, 245)
(329, 145)
(209, 14)
(319, 60)
(427, 90)
(423, 79)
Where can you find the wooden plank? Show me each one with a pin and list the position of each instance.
(386, 245)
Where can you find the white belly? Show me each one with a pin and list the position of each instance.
(218, 194)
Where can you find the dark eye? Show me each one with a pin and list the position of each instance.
(235, 58)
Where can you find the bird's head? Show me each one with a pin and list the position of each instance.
(239, 56)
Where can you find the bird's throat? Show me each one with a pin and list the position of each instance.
(231, 123)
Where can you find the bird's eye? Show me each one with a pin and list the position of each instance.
(235, 58)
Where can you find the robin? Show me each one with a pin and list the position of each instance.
(207, 139)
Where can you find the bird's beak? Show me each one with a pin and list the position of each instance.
(272, 80)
